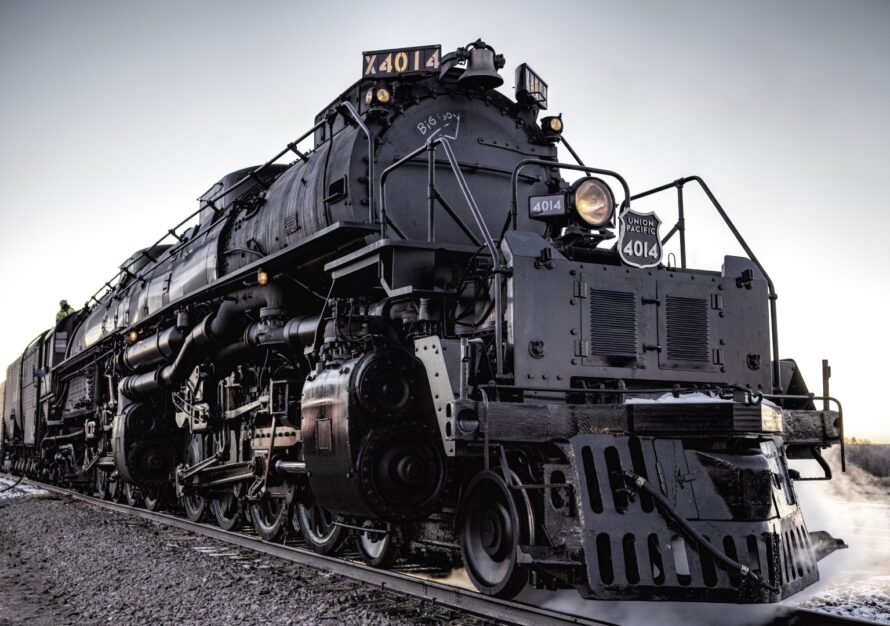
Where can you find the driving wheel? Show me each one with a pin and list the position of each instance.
(195, 505)
(320, 531)
(269, 516)
(226, 509)
(378, 548)
(132, 495)
(152, 497)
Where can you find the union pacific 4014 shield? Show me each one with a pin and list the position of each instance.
(639, 243)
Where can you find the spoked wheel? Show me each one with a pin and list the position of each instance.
(378, 549)
(100, 484)
(226, 510)
(132, 495)
(152, 497)
(269, 517)
(319, 529)
(195, 505)
(492, 522)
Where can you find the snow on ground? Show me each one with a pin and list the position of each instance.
(18, 491)
(852, 507)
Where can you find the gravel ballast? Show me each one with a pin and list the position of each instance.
(63, 561)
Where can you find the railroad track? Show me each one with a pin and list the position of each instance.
(454, 598)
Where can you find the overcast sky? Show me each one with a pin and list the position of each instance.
(115, 116)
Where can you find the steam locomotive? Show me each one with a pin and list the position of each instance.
(417, 334)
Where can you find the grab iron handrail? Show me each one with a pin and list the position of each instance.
(514, 181)
(680, 226)
(252, 176)
(432, 196)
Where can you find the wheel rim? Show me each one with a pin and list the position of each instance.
(373, 545)
(194, 504)
(227, 511)
(131, 494)
(319, 529)
(151, 498)
(378, 549)
(492, 525)
(268, 516)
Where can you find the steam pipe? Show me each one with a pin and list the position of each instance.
(211, 331)
(295, 333)
(243, 300)
(162, 346)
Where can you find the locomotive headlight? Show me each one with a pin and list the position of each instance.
(593, 200)
(262, 278)
(132, 336)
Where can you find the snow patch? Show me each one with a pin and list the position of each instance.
(18, 491)
(689, 398)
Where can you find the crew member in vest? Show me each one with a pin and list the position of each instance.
(64, 311)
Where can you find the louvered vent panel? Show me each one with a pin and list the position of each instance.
(613, 323)
(688, 334)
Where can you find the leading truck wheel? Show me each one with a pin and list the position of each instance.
(319, 529)
(492, 522)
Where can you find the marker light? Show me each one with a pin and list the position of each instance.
(551, 125)
(132, 336)
(377, 95)
(262, 277)
(594, 201)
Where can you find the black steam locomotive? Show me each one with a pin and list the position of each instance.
(420, 335)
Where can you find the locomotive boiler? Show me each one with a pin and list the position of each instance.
(420, 326)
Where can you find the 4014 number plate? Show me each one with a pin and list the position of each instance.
(546, 206)
(401, 62)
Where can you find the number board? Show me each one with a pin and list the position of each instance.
(546, 206)
(401, 62)
(530, 86)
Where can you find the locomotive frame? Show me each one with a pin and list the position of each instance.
(498, 389)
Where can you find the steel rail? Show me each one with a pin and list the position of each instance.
(440, 594)
(453, 598)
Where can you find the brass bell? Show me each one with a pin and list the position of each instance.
(481, 72)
